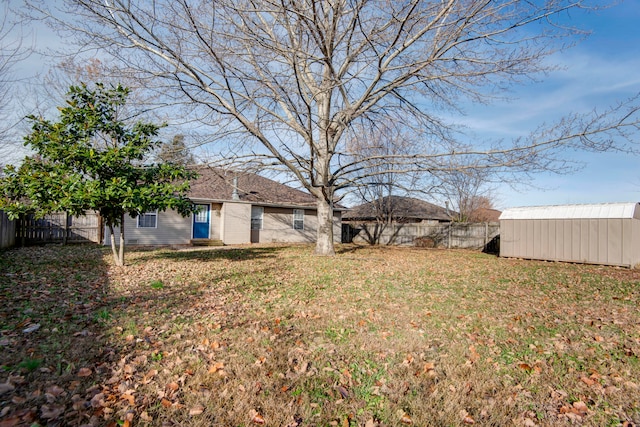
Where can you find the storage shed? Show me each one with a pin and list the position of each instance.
(606, 233)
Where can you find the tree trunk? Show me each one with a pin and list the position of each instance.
(121, 252)
(324, 242)
(114, 250)
(118, 252)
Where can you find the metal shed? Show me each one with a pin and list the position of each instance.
(606, 233)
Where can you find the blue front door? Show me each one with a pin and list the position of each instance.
(201, 222)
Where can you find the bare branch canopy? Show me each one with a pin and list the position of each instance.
(299, 80)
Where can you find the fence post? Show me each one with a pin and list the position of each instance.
(486, 234)
(449, 236)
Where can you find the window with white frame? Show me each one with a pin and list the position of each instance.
(298, 219)
(148, 220)
(257, 212)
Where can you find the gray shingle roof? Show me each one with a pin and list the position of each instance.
(399, 208)
(218, 185)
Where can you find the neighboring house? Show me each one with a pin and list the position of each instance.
(391, 220)
(397, 209)
(234, 208)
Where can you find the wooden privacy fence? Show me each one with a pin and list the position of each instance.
(482, 236)
(7, 231)
(59, 228)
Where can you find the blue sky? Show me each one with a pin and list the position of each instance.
(603, 68)
(596, 73)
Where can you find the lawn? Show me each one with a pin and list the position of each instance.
(272, 335)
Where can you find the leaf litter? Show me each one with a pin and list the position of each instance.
(270, 335)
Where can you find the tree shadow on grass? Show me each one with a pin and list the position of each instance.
(207, 254)
(54, 309)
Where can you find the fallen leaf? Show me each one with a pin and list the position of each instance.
(525, 367)
(587, 381)
(468, 420)
(129, 398)
(166, 403)
(5, 387)
(406, 419)
(579, 408)
(51, 412)
(173, 386)
(196, 410)
(216, 367)
(258, 419)
(344, 392)
(84, 372)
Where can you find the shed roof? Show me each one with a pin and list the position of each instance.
(590, 211)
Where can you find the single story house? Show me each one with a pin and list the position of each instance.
(233, 208)
(607, 233)
(393, 220)
(397, 209)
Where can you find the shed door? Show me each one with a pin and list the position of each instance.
(201, 222)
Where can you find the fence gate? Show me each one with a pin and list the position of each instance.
(59, 227)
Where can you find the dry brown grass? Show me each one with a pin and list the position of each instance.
(274, 335)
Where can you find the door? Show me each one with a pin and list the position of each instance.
(201, 220)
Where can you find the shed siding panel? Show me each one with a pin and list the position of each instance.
(594, 239)
(627, 243)
(544, 252)
(603, 241)
(506, 237)
(559, 239)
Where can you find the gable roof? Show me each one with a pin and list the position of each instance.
(218, 185)
(399, 208)
(486, 215)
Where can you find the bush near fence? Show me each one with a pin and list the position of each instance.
(479, 236)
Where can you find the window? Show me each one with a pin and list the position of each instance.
(298, 219)
(257, 213)
(148, 220)
(202, 215)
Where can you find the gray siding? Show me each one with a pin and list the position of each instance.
(277, 226)
(235, 224)
(172, 229)
(610, 241)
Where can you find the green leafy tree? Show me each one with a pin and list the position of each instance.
(92, 159)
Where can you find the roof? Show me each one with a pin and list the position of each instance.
(486, 215)
(398, 208)
(591, 211)
(218, 185)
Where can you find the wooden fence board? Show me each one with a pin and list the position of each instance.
(449, 235)
(7, 231)
(59, 228)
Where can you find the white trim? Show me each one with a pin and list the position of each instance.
(154, 213)
(300, 212)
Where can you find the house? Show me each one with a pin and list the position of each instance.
(393, 220)
(607, 233)
(234, 208)
(397, 209)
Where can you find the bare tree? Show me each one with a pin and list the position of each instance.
(12, 51)
(466, 190)
(296, 77)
